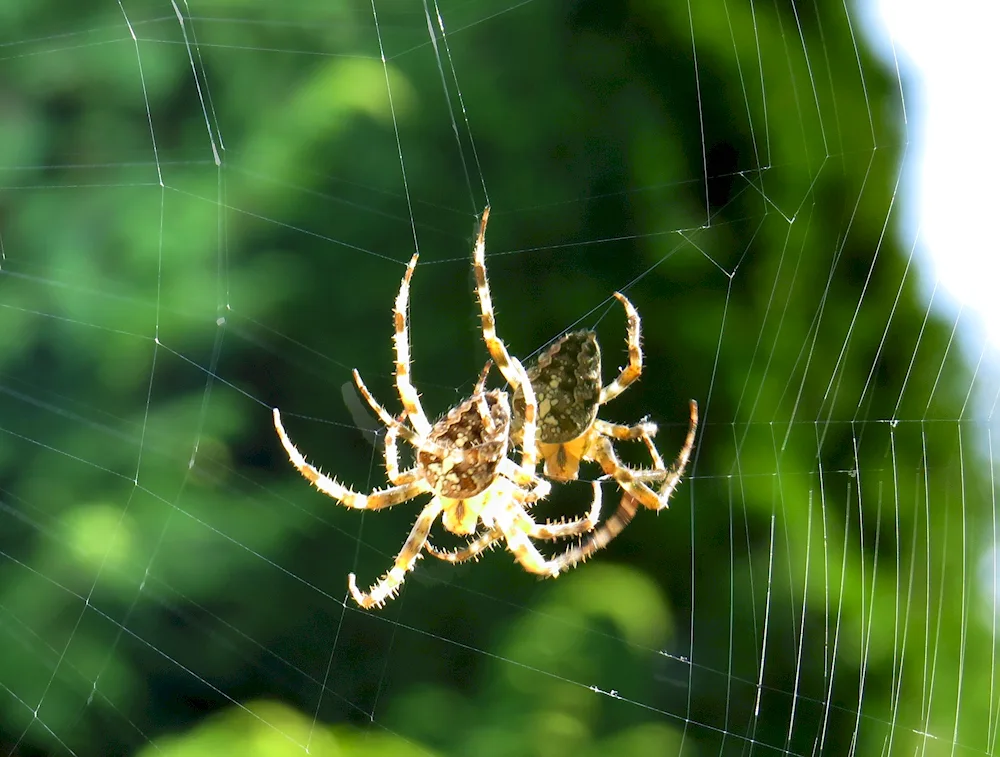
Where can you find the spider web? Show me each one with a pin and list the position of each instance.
(206, 209)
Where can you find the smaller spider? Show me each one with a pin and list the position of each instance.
(566, 378)
(461, 460)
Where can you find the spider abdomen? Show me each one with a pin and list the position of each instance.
(567, 383)
(477, 442)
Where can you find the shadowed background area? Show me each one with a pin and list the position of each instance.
(205, 212)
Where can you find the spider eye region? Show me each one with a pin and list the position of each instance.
(567, 383)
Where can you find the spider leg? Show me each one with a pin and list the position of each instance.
(540, 488)
(470, 551)
(633, 370)
(516, 524)
(630, 481)
(389, 584)
(374, 404)
(401, 341)
(645, 432)
(333, 488)
(549, 530)
(674, 475)
(509, 366)
(599, 538)
(484, 411)
(392, 460)
(626, 433)
(565, 529)
(480, 386)
(397, 423)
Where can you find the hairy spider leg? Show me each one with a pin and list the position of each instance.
(401, 341)
(644, 432)
(509, 366)
(416, 439)
(680, 464)
(551, 530)
(517, 527)
(632, 481)
(392, 459)
(378, 499)
(478, 392)
(633, 370)
(387, 586)
(470, 551)
(599, 538)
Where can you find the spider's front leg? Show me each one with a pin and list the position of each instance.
(509, 366)
(401, 344)
(633, 338)
(408, 489)
(396, 426)
(391, 455)
(389, 584)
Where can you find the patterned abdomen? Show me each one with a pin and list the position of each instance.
(567, 383)
(476, 449)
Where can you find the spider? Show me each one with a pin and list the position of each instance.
(567, 383)
(461, 460)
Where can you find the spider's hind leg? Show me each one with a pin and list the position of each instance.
(549, 530)
(552, 530)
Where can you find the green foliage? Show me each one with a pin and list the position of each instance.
(609, 621)
(272, 729)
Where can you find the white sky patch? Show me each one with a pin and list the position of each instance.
(951, 55)
(954, 50)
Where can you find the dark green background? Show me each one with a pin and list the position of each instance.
(159, 558)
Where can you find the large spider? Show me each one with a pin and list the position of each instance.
(566, 379)
(461, 460)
